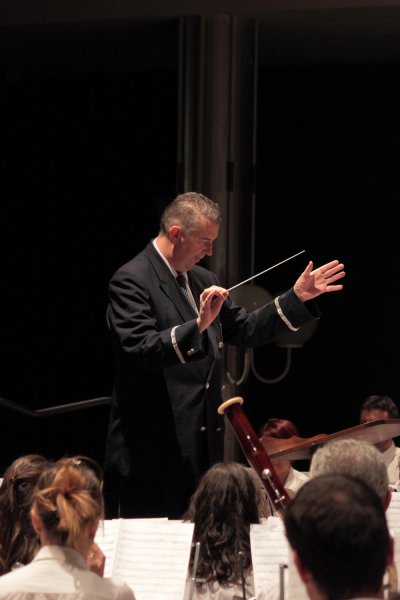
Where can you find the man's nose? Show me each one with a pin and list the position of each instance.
(209, 249)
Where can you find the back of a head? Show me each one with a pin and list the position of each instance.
(84, 462)
(68, 496)
(383, 403)
(19, 480)
(187, 209)
(352, 457)
(226, 491)
(224, 504)
(279, 428)
(337, 526)
(18, 540)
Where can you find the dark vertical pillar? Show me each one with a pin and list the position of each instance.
(216, 144)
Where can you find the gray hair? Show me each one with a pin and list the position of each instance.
(186, 211)
(352, 457)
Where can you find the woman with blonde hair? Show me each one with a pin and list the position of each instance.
(67, 507)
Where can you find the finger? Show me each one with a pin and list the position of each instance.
(308, 268)
(330, 265)
(336, 277)
(333, 276)
(333, 270)
(216, 301)
(334, 288)
(220, 295)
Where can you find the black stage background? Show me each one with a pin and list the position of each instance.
(89, 122)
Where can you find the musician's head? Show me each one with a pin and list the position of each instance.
(226, 491)
(84, 462)
(376, 408)
(68, 504)
(356, 458)
(189, 225)
(18, 540)
(337, 529)
(280, 429)
(227, 500)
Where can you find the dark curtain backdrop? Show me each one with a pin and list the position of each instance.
(328, 182)
(89, 143)
(89, 125)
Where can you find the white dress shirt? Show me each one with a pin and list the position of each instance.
(59, 573)
(295, 480)
(392, 459)
(293, 483)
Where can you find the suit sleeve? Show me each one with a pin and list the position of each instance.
(286, 312)
(147, 331)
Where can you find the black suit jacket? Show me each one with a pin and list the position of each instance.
(164, 427)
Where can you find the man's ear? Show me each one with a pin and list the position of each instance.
(36, 521)
(174, 234)
(304, 574)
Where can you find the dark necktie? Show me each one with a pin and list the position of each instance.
(181, 281)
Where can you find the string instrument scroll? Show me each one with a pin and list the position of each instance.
(255, 452)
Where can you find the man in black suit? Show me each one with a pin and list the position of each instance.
(164, 430)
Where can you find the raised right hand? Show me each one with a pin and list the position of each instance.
(211, 300)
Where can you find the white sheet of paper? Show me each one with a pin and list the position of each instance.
(150, 555)
(269, 549)
(295, 587)
(393, 513)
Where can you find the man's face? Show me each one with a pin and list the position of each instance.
(376, 414)
(191, 248)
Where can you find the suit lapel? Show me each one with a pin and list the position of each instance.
(168, 285)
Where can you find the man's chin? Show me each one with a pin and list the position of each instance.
(193, 263)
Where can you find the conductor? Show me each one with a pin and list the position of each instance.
(169, 320)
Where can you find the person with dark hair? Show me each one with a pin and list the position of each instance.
(67, 506)
(383, 407)
(279, 428)
(225, 503)
(291, 478)
(169, 320)
(18, 540)
(337, 530)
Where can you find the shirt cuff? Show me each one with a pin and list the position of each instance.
(282, 316)
(176, 347)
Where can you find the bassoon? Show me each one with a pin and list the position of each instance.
(255, 452)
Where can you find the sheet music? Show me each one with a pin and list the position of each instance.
(393, 513)
(393, 520)
(295, 587)
(269, 548)
(150, 555)
(107, 538)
